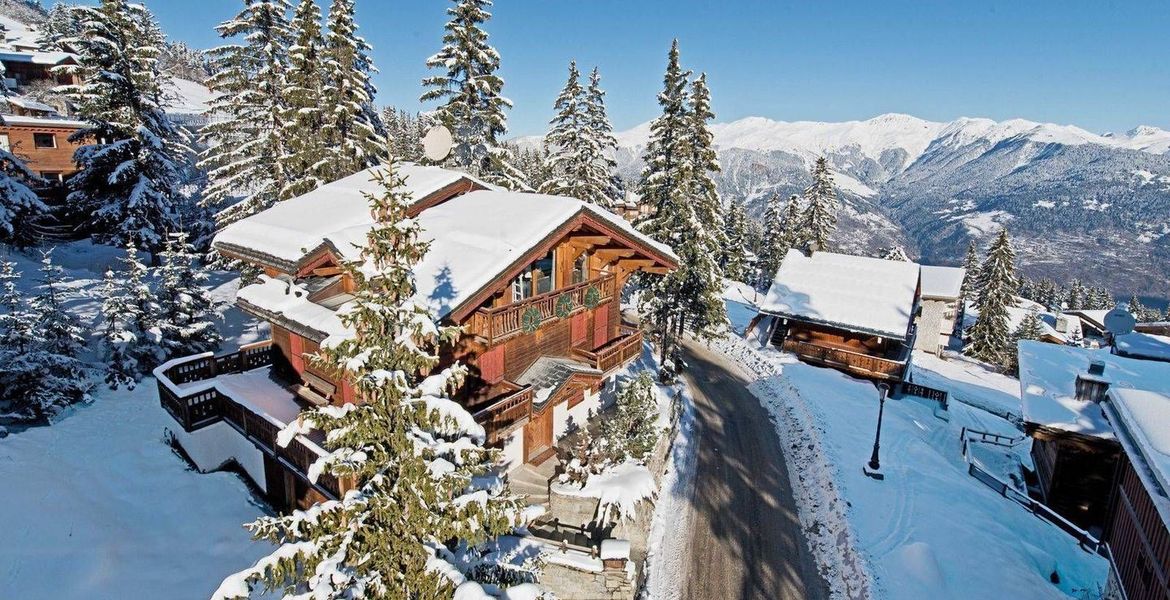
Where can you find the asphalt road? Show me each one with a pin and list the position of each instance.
(746, 540)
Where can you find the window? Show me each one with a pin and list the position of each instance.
(52, 176)
(535, 280)
(4, 145)
(44, 140)
(581, 268)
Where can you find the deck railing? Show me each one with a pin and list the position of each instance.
(497, 324)
(198, 406)
(617, 353)
(864, 364)
(500, 416)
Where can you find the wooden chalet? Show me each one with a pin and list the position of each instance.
(1138, 527)
(26, 67)
(534, 280)
(42, 143)
(851, 313)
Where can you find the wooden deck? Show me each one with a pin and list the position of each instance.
(857, 363)
(616, 354)
(196, 407)
(494, 325)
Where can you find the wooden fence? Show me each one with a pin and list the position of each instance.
(922, 391)
(499, 418)
(857, 362)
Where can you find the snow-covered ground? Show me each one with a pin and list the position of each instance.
(97, 505)
(929, 530)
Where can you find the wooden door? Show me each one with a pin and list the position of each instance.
(601, 326)
(538, 435)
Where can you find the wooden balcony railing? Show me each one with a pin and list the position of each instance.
(497, 324)
(200, 405)
(617, 353)
(857, 362)
(500, 417)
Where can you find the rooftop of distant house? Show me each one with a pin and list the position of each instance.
(943, 283)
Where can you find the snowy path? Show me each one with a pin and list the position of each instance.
(746, 539)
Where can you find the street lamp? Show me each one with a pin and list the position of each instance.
(873, 468)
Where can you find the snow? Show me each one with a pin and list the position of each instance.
(36, 57)
(474, 237)
(857, 293)
(1146, 416)
(970, 382)
(1143, 345)
(741, 300)
(42, 122)
(1048, 374)
(185, 97)
(621, 487)
(615, 550)
(291, 302)
(942, 282)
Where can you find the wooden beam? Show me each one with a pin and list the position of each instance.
(656, 270)
(610, 254)
(633, 264)
(589, 240)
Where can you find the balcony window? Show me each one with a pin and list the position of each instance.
(536, 279)
(581, 268)
(44, 140)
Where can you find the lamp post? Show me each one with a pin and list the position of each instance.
(873, 468)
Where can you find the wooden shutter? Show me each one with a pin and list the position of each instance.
(296, 348)
(579, 324)
(601, 326)
(491, 365)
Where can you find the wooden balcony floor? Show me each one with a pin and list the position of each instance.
(261, 390)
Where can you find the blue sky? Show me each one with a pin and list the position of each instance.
(1098, 64)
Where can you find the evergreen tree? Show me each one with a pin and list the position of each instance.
(244, 147)
(820, 217)
(305, 160)
(990, 337)
(774, 244)
(16, 320)
(354, 135)
(1136, 308)
(186, 316)
(1076, 298)
(416, 455)
(128, 183)
(471, 92)
(895, 253)
(970, 288)
(631, 430)
(60, 27)
(577, 165)
(704, 160)
(118, 344)
(667, 132)
(19, 204)
(733, 257)
(1030, 328)
(601, 131)
(404, 133)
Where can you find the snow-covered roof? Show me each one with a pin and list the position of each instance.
(37, 58)
(474, 237)
(1143, 345)
(1050, 323)
(40, 122)
(1144, 425)
(858, 293)
(29, 104)
(942, 282)
(1048, 375)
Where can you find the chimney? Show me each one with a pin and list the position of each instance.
(811, 248)
(1092, 386)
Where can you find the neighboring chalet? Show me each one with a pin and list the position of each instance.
(535, 281)
(1074, 445)
(942, 307)
(1138, 529)
(42, 143)
(23, 68)
(1144, 346)
(853, 313)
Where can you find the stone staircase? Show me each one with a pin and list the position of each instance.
(532, 481)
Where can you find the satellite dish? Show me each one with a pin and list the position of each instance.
(437, 143)
(1119, 321)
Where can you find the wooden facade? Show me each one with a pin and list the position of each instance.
(1074, 473)
(1138, 537)
(43, 145)
(863, 355)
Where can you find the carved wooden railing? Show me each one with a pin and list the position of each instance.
(617, 353)
(865, 364)
(201, 405)
(499, 418)
(497, 324)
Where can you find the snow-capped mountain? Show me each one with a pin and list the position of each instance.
(1096, 206)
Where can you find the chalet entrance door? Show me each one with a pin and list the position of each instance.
(538, 436)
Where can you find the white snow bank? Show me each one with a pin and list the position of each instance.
(620, 488)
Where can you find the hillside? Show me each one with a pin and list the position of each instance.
(1078, 203)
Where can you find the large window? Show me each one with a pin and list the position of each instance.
(581, 268)
(535, 280)
(4, 144)
(44, 140)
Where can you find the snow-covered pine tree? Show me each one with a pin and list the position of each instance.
(118, 314)
(52, 375)
(244, 147)
(733, 256)
(1076, 298)
(895, 253)
(601, 130)
(1136, 308)
(1030, 328)
(416, 455)
(820, 216)
(305, 159)
(471, 92)
(631, 430)
(404, 133)
(576, 165)
(990, 337)
(16, 320)
(186, 316)
(667, 131)
(19, 204)
(774, 244)
(970, 288)
(704, 160)
(354, 135)
(61, 25)
(128, 183)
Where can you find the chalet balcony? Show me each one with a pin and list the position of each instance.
(850, 361)
(616, 354)
(494, 325)
(506, 412)
(242, 390)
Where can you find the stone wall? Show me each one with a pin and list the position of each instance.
(569, 583)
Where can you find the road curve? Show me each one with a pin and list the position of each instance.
(745, 540)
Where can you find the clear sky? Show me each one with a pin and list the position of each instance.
(1103, 64)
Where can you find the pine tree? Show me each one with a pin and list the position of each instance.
(16, 320)
(244, 147)
(820, 217)
(354, 135)
(775, 240)
(19, 204)
(1030, 328)
(970, 288)
(186, 316)
(601, 131)
(895, 253)
(471, 92)
(662, 155)
(631, 430)
(704, 160)
(61, 25)
(1136, 308)
(128, 183)
(577, 166)
(118, 343)
(1076, 298)
(404, 133)
(305, 159)
(412, 451)
(733, 257)
(990, 337)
